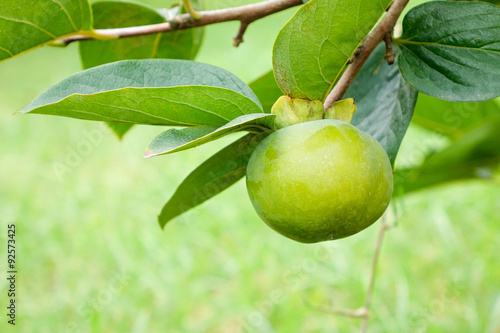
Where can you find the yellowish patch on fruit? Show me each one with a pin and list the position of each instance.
(291, 111)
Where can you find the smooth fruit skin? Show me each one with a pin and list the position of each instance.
(319, 180)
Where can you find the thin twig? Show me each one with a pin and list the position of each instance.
(364, 311)
(358, 313)
(247, 14)
(369, 44)
(238, 39)
(376, 254)
(389, 52)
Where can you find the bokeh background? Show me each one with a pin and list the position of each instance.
(92, 258)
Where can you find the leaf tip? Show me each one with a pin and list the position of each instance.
(118, 136)
(23, 110)
(161, 222)
(148, 153)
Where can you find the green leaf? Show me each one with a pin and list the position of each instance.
(452, 119)
(267, 90)
(26, 24)
(313, 48)
(384, 101)
(182, 44)
(451, 50)
(172, 106)
(135, 91)
(175, 140)
(212, 177)
(471, 156)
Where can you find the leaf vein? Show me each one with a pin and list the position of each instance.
(405, 41)
(6, 50)
(462, 32)
(443, 23)
(144, 113)
(435, 70)
(67, 14)
(29, 23)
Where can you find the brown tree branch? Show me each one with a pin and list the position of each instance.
(245, 14)
(369, 44)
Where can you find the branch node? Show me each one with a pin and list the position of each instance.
(389, 52)
(175, 23)
(238, 39)
(356, 53)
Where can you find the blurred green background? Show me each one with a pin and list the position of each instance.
(92, 258)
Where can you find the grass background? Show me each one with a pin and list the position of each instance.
(92, 258)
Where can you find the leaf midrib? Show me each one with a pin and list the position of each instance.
(30, 24)
(67, 14)
(405, 41)
(445, 22)
(437, 71)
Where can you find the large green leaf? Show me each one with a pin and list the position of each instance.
(212, 177)
(182, 44)
(452, 119)
(471, 156)
(313, 48)
(119, 92)
(171, 106)
(175, 140)
(267, 90)
(384, 100)
(26, 24)
(451, 50)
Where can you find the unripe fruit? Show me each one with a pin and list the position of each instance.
(319, 180)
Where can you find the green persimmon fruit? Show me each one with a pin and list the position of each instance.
(319, 180)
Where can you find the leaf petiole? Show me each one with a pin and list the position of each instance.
(194, 14)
